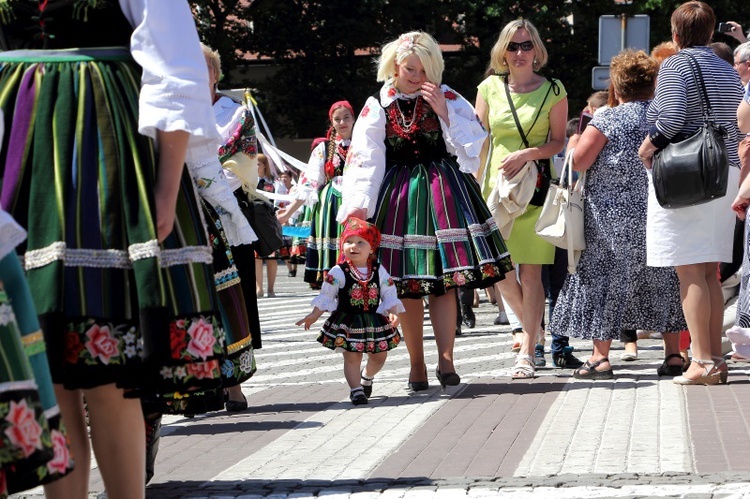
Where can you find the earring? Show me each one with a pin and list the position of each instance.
(505, 63)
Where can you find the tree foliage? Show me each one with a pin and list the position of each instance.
(325, 49)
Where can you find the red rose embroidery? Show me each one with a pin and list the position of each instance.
(459, 278)
(489, 270)
(24, 431)
(201, 339)
(202, 370)
(176, 340)
(73, 347)
(357, 293)
(61, 461)
(329, 278)
(370, 346)
(372, 293)
(359, 346)
(413, 286)
(101, 343)
(365, 111)
(383, 345)
(450, 95)
(391, 92)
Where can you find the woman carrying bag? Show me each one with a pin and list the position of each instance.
(526, 115)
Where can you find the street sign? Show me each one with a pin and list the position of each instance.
(617, 33)
(600, 77)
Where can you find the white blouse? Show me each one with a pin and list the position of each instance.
(328, 298)
(314, 177)
(365, 163)
(175, 95)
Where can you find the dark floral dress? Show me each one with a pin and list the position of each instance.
(358, 323)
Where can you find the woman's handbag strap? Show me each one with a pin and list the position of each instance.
(696, 70)
(515, 115)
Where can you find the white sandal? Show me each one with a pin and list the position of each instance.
(521, 370)
(709, 377)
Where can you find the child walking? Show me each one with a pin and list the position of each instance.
(360, 293)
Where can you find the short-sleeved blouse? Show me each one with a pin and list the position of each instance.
(505, 136)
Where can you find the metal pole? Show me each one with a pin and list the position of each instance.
(623, 31)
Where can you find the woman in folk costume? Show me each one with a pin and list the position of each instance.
(409, 168)
(320, 188)
(117, 257)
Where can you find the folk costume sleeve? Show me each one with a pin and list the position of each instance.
(365, 163)
(465, 135)
(328, 299)
(314, 177)
(388, 294)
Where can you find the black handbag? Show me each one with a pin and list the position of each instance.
(694, 170)
(262, 218)
(543, 166)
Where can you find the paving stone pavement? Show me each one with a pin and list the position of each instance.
(553, 436)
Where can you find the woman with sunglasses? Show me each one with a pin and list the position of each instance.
(526, 115)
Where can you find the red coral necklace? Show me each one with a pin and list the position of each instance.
(362, 280)
(398, 120)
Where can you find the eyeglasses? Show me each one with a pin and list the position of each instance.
(526, 46)
(737, 63)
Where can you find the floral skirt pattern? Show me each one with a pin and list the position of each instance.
(33, 441)
(437, 232)
(323, 244)
(115, 305)
(367, 332)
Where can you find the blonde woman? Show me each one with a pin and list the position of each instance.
(541, 107)
(414, 147)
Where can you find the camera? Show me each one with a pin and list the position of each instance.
(725, 27)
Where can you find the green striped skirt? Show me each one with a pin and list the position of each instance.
(116, 306)
(437, 232)
(323, 244)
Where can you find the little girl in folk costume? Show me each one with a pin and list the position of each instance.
(360, 293)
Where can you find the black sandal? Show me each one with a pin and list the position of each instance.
(588, 371)
(666, 369)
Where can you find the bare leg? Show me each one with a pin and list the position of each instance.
(697, 304)
(533, 306)
(259, 277)
(272, 266)
(118, 434)
(412, 326)
(74, 485)
(352, 365)
(443, 318)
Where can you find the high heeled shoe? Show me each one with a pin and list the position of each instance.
(447, 379)
(709, 376)
(236, 405)
(419, 386)
(723, 375)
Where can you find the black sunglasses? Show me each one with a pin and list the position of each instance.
(526, 46)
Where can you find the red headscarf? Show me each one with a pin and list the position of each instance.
(356, 227)
(336, 105)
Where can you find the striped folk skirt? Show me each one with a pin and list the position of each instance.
(115, 305)
(437, 232)
(323, 244)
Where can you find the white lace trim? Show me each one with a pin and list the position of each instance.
(111, 258)
(11, 386)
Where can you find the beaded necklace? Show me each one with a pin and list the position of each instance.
(362, 280)
(398, 120)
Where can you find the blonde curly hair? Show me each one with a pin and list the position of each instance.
(413, 43)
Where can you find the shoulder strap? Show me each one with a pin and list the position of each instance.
(515, 115)
(696, 70)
